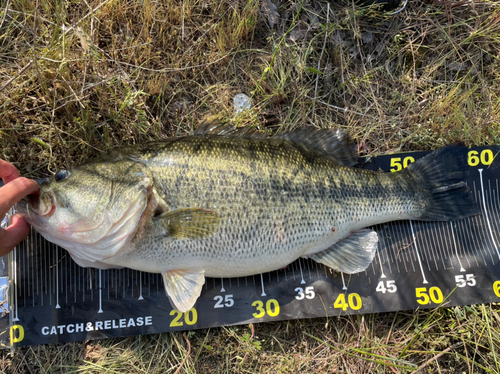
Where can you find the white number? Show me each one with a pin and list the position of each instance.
(228, 301)
(471, 280)
(389, 286)
(309, 294)
(468, 281)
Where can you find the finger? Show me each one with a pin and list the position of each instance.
(14, 191)
(8, 172)
(13, 234)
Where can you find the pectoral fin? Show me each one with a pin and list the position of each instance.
(191, 223)
(352, 254)
(183, 287)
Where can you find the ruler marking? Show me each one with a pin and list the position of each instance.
(435, 240)
(406, 254)
(291, 266)
(222, 285)
(45, 270)
(440, 233)
(262, 284)
(482, 233)
(456, 248)
(380, 249)
(140, 286)
(57, 278)
(488, 205)
(100, 291)
(389, 247)
(426, 249)
(391, 251)
(486, 212)
(493, 208)
(301, 274)
(452, 246)
(14, 269)
(400, 253)
(418, 255)
(381, 267)
(343, 281)
(474, 231)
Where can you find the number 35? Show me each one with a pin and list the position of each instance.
(308, 294)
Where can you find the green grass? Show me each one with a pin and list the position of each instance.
(80, 78)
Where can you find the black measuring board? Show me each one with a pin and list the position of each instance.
(418, 265)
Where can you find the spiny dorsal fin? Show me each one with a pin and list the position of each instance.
(215, 127)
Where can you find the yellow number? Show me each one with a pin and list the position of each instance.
(340, 302)
(436, 295)
(176, 322)
(395, 162)
(496, 288)
(191, 316)
(269, 307)
(20, 334)
(259, 306)
(421, 292)
(358, 304)
(434, 292)
(473, 159)
(272, 308)
(486, 157)
(353, 302)
(408, 160)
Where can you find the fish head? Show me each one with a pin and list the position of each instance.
(93, 210)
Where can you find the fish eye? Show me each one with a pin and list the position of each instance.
(62, 174)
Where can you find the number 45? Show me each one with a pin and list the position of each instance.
(468, 281)
(389, 286)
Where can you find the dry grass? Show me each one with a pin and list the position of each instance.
(79, 78)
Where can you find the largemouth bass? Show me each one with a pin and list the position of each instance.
(224, 203)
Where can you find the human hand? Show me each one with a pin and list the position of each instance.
(14, 190)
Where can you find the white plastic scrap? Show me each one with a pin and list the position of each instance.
(242, 102)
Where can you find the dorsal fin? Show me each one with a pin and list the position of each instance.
(215, 127)
(331, 143)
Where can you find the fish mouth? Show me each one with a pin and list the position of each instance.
(42, 204)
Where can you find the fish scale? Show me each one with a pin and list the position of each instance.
(227, 206)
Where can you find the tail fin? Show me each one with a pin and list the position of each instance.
(442, 174)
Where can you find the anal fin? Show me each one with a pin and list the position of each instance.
(352, 254)
(183, 287)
